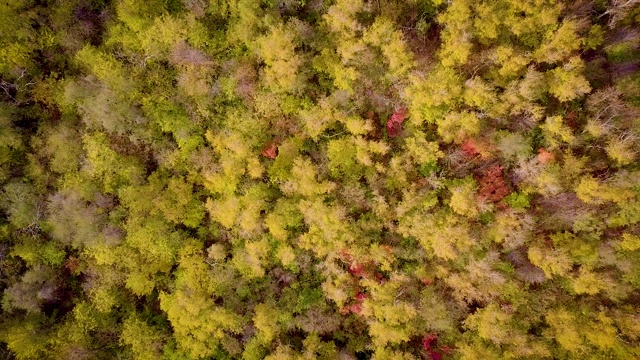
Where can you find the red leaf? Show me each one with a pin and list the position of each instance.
(394, 129)
(361, 297)
(270, 151)
(346, 256)
(476, 147)
(446, 349)
(357, 269)
(394, 124)
(388, 249)
(469, 148)
(427, 281)
(492, 186)
(355, 308)
(545, 157)
(429, 340)
(72, 264)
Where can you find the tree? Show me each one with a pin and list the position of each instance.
(442, 234)
(457, 43)
(383, 35)
(291, 179)
(492, 324)
(34, 289)
(457, 126)
(108, 167)
(430, 95)
(198, 323)
(551, 261)
(10, 145)
(25, 337)
(390, 320)
(22, 205)
(304, 181)
(533, 86)
(566, 83)
(277, 49)
(145, 341)
(74, 222)
(556, 131)
(564, 329)
(621, 150)
(463, 198)
(560, 44)
(265, 320)
(18, 37)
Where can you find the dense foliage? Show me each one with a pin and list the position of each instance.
(330, 179)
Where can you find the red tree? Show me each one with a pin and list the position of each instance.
(492, 185)
(394, 124)
(270, 150)
(544, 156)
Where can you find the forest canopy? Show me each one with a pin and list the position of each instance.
(320, 179)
